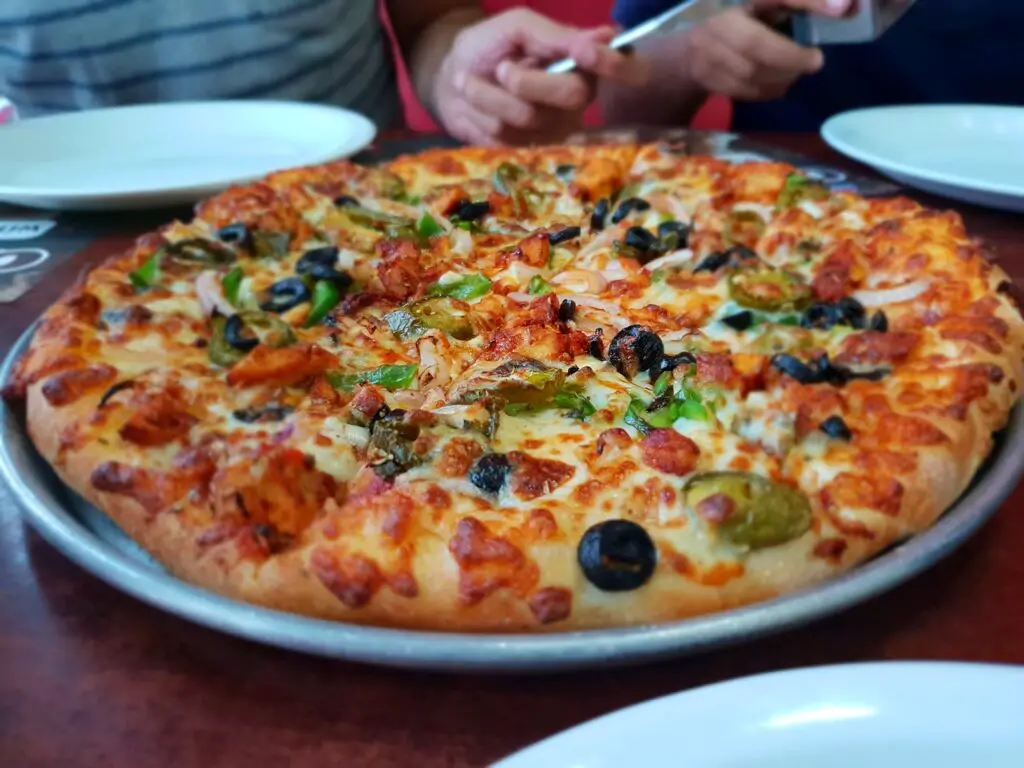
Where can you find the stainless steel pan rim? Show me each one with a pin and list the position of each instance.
(44, 501)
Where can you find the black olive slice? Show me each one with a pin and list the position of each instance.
(795, 369)
(235, 234)
(566, 310)
(740, 321)
(712, 262)
(325, 256)
(565, 172)
(671, 362)
(285, 294)
(262, 414)
(640, 238)
(836, 428)
(490, 472)
(634, 349)
(564, 235)
(674, 228)
(719, 259)
(853, 311)
(343, 201)
(319, 264)
(595, 344)
(617, 556)
(879, 322)
(119, 387)
(233, 329)
(599, 214)
(627, 207)
(473, 211)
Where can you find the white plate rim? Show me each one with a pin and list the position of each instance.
(856, 675)
(911, 171)
(364, 131)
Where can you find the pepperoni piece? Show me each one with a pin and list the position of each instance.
(834, 280)
(541, 311)
(670, 452)
(532, 477)
(876, 348)
(399, 270)
(535, 250)
(157, 418)
(66, 387)
(281, 366)
(715, 367)
(367, 401)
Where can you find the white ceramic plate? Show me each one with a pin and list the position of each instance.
(884, 715)
(166, 154)
(969, 153)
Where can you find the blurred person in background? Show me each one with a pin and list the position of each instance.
(941, 51)
(476, 75)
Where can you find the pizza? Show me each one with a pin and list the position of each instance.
(527, 390)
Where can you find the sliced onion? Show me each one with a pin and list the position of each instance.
(521, 272)
(521, 296)
(602, 241)
(675, 206)
(462, 242)
(580, 281)
(682, 256)
(615, 270)
(882, 296)
(409, 398)
(395, 208)
(679, 335)
(211, 294)
(347, 258)
(435, 360)
(595, 303)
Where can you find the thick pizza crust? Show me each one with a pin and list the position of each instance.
(286, 582)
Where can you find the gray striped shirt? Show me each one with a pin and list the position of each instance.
(58, 55)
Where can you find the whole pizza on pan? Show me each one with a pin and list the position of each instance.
(528, 390)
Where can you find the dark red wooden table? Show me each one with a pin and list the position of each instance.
(89, 677)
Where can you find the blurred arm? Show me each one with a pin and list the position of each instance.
(425, 30)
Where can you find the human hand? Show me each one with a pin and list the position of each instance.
(735, 54)
(490, 89)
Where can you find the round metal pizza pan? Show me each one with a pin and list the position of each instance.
(89, 538)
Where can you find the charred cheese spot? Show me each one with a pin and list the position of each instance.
(551, 605)
(532, 477)
(66, 387)
(488, 562)
(849, 491)
(353, 579)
